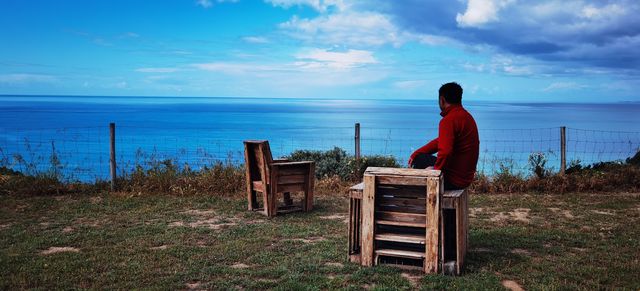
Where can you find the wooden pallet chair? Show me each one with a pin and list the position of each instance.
(271, 177)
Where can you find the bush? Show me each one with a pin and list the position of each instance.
(336, 162)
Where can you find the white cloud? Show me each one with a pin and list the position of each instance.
(255, 39)
(319, 5)
(480, 12)
(17, 79)
(350, 28)
(157, 70)
(204, 3)
(410, 84)
(563, 86)
(235, 68)
(340, 60)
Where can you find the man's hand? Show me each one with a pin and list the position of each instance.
(410, 162)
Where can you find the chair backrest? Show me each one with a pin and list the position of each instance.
(258, 158)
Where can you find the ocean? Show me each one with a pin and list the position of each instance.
(200, 131)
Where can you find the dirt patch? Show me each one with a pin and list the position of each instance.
(55, 250)
(60, 198)
(519, 214)
(603, 212)
(91, 223)
(95, 200)
(343, 217)
(200, 212)
(158, 248)
(240, 266)
(412, 278)
(565, 213)
(308, 240)
(474, 211)
(521, 252)
(5, 225)
(192, 286)
(331, 264)
(512, 285)
(67, 229)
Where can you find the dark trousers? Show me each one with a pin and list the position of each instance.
(423, 161)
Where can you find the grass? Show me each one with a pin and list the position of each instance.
(571, 241)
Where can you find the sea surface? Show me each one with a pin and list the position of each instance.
(74, 130)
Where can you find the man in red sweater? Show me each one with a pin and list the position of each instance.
(457, 143)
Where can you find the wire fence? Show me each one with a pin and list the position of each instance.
(82, 153)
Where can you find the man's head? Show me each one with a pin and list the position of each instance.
(450, 93)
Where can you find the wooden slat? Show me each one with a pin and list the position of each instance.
(400, 223)
(356, 187)
(399, 201)
(251, 196)
(433, 215)
(258, 186)
(402, 191)
(368, 206)
(292, 179)
(400, 253)
(405, 238)
(309, 185)
(355, 194)
(402, 180)
(379, 171)
(400, 217)
(448, 202)
(290, 188)
(453, 193)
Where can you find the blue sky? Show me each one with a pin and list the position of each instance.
(502, 50)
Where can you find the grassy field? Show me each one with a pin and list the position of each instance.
(571, 241)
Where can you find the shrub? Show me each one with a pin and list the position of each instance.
(336, 162)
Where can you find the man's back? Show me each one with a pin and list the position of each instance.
(458, 146)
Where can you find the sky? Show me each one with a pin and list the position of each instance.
(498, 50)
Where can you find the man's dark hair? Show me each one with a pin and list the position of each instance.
(452, 93)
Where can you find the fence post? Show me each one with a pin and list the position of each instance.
(357, 149)
(563, 149)
(112, 154)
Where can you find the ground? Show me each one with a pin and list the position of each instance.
(571, 241)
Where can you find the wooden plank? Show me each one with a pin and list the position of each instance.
(402, 172)
(291, 187)
(399, 201)
(355, 194)
(401, 223)
(251, 195)
(292, 179)
(272, 192)
(310, 184)
(433, 215)
(356, 187)
(463, 228)
(258, 186)
(368, 206)
(407, 209)
(405, 238)
(448, 202)
(403, 191)
(285, 170)
(400, 253)
(400, 217)
(453, 193)
(401, 180)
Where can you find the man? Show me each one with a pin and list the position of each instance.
(457, 143)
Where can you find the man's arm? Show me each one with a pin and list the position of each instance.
(429, 148)
(446, 136)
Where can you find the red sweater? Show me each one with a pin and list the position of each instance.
(457, 145)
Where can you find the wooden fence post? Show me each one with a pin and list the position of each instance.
(357, 149)
(563, 149)
(112, 154)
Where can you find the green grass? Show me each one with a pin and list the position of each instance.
(572, 241)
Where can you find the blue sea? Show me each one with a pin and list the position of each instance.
(201, 131)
